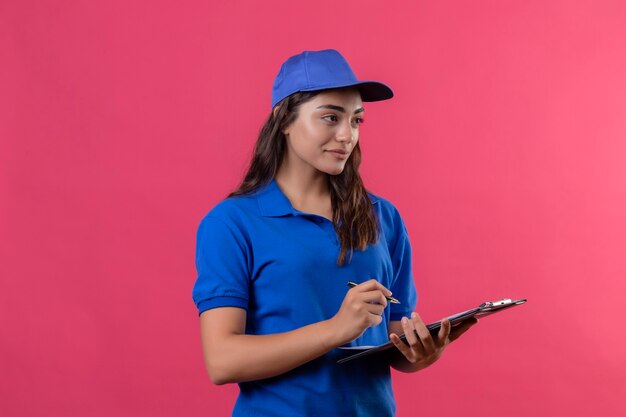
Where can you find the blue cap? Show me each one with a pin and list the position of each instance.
(319, 70)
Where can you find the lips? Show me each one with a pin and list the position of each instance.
(340, 152)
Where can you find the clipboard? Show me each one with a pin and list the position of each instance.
(485, 309)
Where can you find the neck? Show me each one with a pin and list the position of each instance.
(303, 189)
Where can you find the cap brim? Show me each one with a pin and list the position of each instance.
(370, 90)
(374, 91)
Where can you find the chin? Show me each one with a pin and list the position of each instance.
(335, 171)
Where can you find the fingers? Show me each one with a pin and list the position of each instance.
(444, 332)
(419, 342)
(363, 306)
(462, 328)
(421, 346)
(423, 332)
(418, 335)
(374, 297)
(415, 344)
(372, 285)
(375, 309)
(370, 292)
(408, 353)
(369, 306)
(375, 319)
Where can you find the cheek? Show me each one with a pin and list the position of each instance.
(304, 145)
(314, 136)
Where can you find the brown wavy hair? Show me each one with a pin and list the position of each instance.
(353, 214)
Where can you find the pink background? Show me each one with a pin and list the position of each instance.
(122, 123)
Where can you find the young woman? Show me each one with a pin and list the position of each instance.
(274, 260)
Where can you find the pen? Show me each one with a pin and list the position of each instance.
(390, 299)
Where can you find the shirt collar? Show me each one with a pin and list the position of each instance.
(274, 203)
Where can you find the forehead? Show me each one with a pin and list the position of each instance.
(348, 98)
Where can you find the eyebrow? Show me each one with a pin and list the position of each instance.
(339, 108)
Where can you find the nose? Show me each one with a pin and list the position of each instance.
(345, 132)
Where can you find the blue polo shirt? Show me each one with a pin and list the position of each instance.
(258, 253)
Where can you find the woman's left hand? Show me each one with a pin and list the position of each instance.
(424, 349)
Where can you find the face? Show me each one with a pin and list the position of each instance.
(325, 132)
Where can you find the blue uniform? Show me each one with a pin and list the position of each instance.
(258, 253)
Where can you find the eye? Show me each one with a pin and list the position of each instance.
(358, 120)
(330, 118)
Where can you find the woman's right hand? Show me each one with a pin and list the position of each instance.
(362, 307)
(231, 355)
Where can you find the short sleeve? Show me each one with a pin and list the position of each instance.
(222, 266)
(403, 286)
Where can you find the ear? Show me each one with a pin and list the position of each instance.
(274, 113)
(285, 129)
